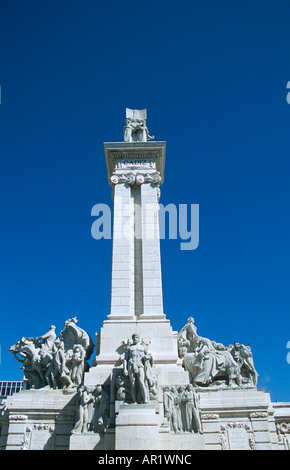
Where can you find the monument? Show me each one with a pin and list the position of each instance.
(148, 387)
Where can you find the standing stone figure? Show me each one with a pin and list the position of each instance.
(77, 362)
(178, 403)
(169, 408)
(101, 410)
(138, 363)
(82, 409)
(192, 419)
(59, 372)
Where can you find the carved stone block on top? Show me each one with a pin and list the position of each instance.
(135, 129)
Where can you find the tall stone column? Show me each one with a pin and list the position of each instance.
(136, 171)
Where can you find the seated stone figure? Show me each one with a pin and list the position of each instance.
(210, 363)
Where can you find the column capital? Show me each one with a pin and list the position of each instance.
(136, 178)
(140, 160)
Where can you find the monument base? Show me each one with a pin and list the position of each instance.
(38, 420)
(238, 419)
(231, 419)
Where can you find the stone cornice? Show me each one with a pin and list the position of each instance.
(152, 153)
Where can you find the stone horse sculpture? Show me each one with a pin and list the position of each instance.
(28, 349)
(55, 362)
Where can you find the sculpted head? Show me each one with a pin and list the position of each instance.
(135, 338)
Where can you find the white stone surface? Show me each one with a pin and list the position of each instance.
(136, 239)
(122, 295)
(91, 441)
(182, 442)
(163, 341)
(151, 262)
(137, 428)
(227, 412)
(39, 419)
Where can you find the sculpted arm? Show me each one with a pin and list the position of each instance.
(125, 362)
(46, 335)
(17, 358)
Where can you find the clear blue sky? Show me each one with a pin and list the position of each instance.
(213, 77)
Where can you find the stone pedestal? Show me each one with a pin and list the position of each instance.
(167, 366)
(137, 428)
(237, 419)
(162, 345)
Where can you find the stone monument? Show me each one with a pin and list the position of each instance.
(149, 387)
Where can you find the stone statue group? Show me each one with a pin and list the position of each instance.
(213, 364)
(135, 129)
(92, 409)
(181, 408)
(60, 363)
(48, 361)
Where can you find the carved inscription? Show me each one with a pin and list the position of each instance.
(238, 438)
(134, 163)
(133, 155)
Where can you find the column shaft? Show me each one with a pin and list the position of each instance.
(123, 285)
(151, 263)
